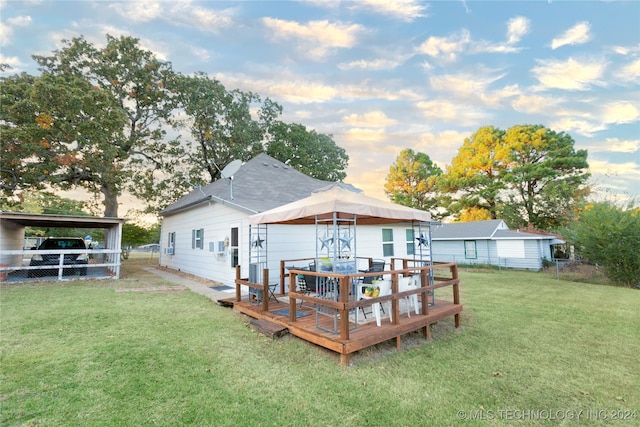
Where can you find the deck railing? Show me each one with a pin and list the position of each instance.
(346, 302)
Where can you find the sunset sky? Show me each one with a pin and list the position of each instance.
(381, 76)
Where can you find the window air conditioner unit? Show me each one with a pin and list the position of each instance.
(168, 251)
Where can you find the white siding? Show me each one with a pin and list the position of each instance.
(510, 248)
(283, 242)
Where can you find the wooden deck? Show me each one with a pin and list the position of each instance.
(345, 332)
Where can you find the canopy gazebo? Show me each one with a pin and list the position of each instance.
(336, 212)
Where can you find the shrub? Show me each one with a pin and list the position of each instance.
(610, 236)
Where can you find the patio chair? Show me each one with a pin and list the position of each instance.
(368, 280)
(385, 289)
(307, 284)
(404, 284)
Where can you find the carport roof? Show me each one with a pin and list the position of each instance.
(44, 220)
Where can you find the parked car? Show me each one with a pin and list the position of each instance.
(76, 258)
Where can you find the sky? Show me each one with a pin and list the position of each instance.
(381, 76)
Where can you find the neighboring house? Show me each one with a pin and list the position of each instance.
(206, 233)
(491, 243)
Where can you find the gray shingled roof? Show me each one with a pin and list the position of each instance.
(260, 184)
(480, 230)
(467, 230)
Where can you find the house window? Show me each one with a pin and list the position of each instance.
(197, 239)
(470, 249)
(233, 247)
(387, 242)
(410, 241)
(171, 243)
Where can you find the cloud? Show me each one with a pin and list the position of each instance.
(627, 171)
(474, 86)
(629, 72)
(375, 64)
(516, 28)
(578, 34)
(183, 13)
(571, 74)
(359, 136)
(615, 145)
(12, 61)
(583, 127)
(446, 48)
(6, 27)
(370, 119)
(620, 112)
(447, 111)
(305, 90)
(138, 11)
(316, 39)
(404, 10)
(536, 104)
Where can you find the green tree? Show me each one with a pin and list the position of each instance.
(546, 174)
(220, 123)
(135, 235)
(412, 181)
(135, 157)
(474, 179)
(57, 134)
(314, 154)
(610, 236)
(528, 175)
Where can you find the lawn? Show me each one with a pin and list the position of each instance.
(532, 350)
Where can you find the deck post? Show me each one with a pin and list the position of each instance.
(282, 277)
(344, 314)
(238, 294)
(293, 286)
(456, 291)
(265, 289)
(344, 359)
(395, 304)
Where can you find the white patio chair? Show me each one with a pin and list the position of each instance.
(405, 284)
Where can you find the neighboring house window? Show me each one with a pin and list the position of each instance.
(171, 243)
(197, 239)
(387, 242)
(233, 247)
(410, 241)
(470, 249)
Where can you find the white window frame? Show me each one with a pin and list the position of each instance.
(387, 244)
(197, 238)
(470, 253)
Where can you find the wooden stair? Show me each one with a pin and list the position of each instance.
(270, 329)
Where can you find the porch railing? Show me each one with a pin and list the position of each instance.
(346, 301)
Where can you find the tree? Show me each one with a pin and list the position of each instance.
(134, 234)
(546, 174)
(412, 181)
(136, 157)
(314, 154)
(528, 175)
(474, 178)
(58, 133)
(610, 236)
(220, 123)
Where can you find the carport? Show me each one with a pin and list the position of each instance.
(13, 255)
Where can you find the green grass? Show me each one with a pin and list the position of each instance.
(79, 353)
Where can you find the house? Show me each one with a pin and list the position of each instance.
(208, 233)
(491, 243)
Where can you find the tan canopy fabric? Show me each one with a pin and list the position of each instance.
(345, 204)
